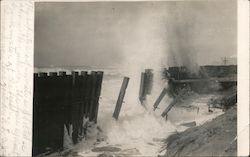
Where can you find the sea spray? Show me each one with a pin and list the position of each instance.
(137, 127)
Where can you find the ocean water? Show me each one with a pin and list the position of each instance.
(139, 131)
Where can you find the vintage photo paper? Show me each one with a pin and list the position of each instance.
(124, 78)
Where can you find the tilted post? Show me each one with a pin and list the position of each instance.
(178, 97)
(120, 98)
(159, 99)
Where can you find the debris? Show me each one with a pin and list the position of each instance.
(189, 124)
(106, 149)
(225, 102)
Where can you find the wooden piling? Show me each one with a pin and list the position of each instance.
(42, 74)
(84, 73)
(83, 101)
(98, 93)
(74, 107)
(74, 74)
(178, 97)
(87, 96)
(120, 98)
(146, 85)
(52, 73)
(159, 99)
(62, 73)
(92, 94)
(148, 81)
(63, 100)
(141, 92)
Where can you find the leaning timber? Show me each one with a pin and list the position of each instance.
(159, 99)
(120, 98)
(176, 100)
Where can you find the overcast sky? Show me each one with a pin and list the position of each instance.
(110, 33)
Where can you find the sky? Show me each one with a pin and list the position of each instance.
(107, 34)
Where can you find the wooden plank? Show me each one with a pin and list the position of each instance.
(120, 98)
(74, 107)
(85, 92)
(222, 79)
(84, 75)
(66, 88)
(159, 99)
(141, 91)
(148, 81)
(189, 124)
(98, 93)
(92, 94)
(87, 96)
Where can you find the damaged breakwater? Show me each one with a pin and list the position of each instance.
(216, 137)
(62, 103)
(216, 78)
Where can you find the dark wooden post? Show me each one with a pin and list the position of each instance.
(35, 130)
(84, 75)
(66, 89)
(120, 98)
(92, 95)
(178, 97)
(159, 99)
(148, 81)
(52, 73)
(74, 74)
(42, 74)
(141, 92)
(87, 95)
(62, 73)
(98, 93)
(74, 107)
(85, 92)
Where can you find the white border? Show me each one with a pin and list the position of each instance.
(243, 68)
(243, 78)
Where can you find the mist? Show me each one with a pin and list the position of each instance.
(143, 34)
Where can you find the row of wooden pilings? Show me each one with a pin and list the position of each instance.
(60, 101)
(146, 85)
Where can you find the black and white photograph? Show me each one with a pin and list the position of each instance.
(135, 78)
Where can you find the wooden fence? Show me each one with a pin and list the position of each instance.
(63, 100)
